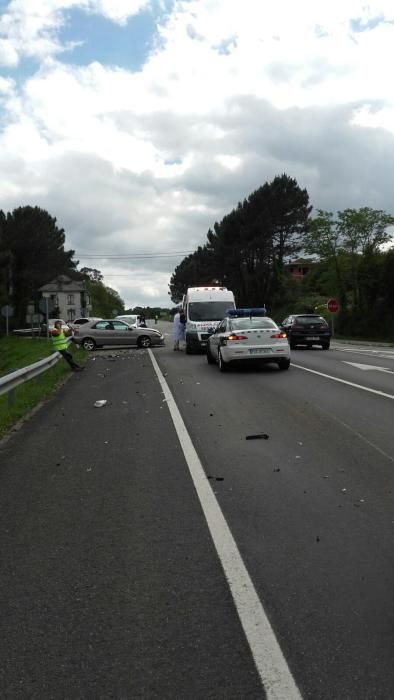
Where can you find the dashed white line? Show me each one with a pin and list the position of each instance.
(271, 665)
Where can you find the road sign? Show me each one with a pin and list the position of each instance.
(332, 305)
(7, 311)
(46, 305)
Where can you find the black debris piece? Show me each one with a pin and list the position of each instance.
(259, 436)
(277, 470)
(318, 539)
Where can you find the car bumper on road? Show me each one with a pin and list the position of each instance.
(262, 354)
(310, 339)
(197, 341)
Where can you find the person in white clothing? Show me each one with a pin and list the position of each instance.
(179, 328)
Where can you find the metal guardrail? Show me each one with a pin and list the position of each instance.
(10, 381)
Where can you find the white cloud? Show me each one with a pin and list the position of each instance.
(233, 94)
(30, 27)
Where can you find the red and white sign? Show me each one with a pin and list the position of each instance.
(332, 305)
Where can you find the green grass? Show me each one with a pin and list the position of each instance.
(19, 352)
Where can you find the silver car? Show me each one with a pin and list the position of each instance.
(95, 334)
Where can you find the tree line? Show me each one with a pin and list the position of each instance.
(32, 253)
(250, 249)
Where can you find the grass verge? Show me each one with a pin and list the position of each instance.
(19, 352)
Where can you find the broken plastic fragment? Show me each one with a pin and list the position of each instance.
(259, 436)
(100, 403)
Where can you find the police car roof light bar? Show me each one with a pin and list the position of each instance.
(243, 313)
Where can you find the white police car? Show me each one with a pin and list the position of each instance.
(248, 335)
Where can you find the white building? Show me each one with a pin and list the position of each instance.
(68, 296)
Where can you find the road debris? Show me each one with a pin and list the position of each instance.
(100, 403)
(258, 436)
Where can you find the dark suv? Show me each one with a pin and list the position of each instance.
(307, 329)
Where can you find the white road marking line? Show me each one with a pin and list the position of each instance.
(271, 665)
(355, 432)
(365, 368)
(344, 381)
(387, 354)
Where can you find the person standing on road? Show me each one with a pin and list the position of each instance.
(59, 342)
(179, 328)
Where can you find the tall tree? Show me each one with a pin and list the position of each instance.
(252, 242)
(4, 263)
(323, 239)
(104, 300)
(197, 269)
(363, 231)
(35, 249)
(92, 274)
(350, 243)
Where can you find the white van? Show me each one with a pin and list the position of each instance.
(204, 308)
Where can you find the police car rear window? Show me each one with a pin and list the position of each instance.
(238, 324)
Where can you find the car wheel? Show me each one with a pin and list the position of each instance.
(88, 344)
(284, 364)
(210, 359)
(325, 346)
(223, 366)
(292, 346)
(144, 341)
(188, 349)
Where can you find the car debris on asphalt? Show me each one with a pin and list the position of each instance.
(258, 436)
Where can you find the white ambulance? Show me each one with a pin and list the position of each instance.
(204, 308)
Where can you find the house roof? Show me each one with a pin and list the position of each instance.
(63, 283)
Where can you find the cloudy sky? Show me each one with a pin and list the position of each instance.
(139, 123)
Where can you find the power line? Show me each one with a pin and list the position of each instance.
(131, 256)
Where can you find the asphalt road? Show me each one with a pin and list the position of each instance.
(111, 586)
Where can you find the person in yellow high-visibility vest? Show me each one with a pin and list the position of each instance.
(59, 342)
